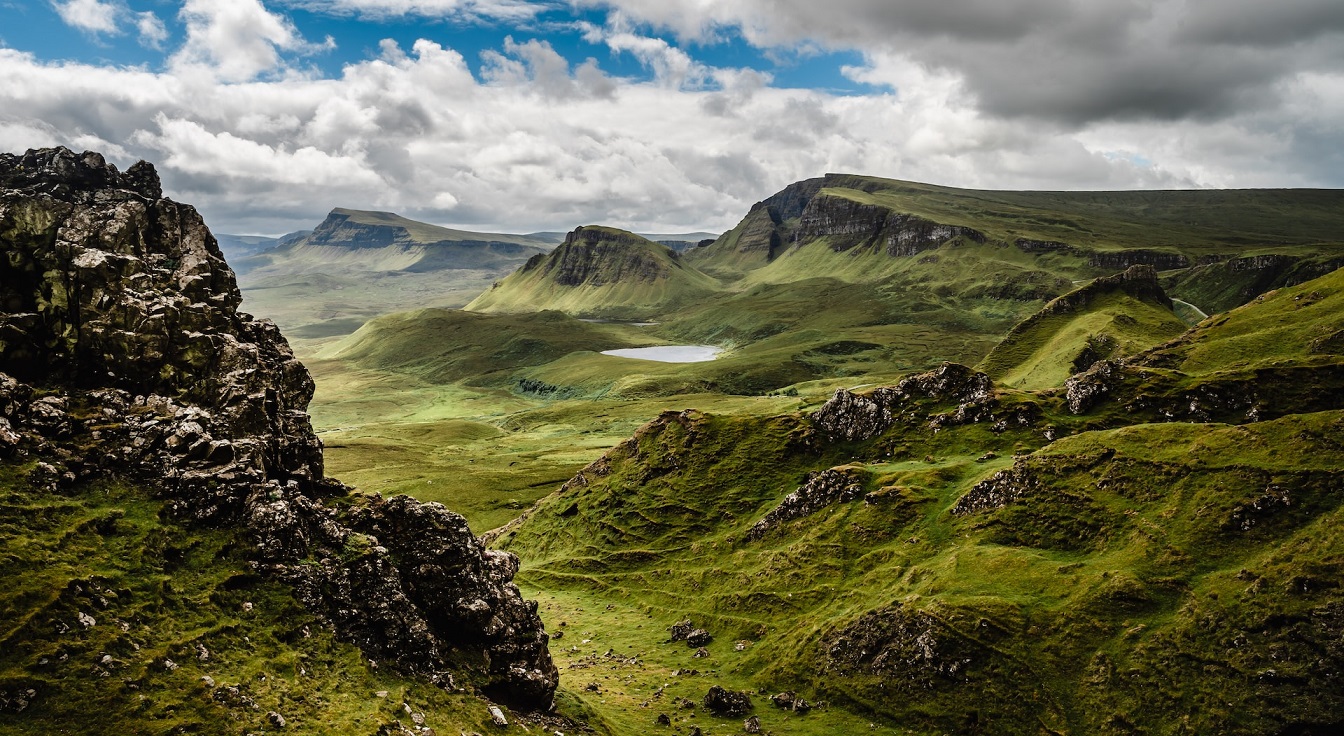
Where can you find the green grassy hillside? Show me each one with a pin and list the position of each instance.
(446, 345)
(1112, 317)
(1188, 221)
(600, 272)
(1300, 324)
(1000, 565)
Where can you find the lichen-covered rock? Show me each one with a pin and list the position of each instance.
(849, 416)
(698, 638)
(681, 630)
(122, 352)
(908, 646)
(723, 702)
(997, 491)
(1085, 390)
(819, 490)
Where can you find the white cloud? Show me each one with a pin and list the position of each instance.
(235, 40)
(92, 16)
(539, 143)
(151, 30)
(508, 10)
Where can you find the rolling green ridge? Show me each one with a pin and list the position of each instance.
(1143, 548)
(1125, 577)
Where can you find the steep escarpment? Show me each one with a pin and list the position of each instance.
(124, 359)
(766, 231)
(599, 271)
(848, 221)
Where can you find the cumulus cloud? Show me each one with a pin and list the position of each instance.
(535, 141)
(536, 64)
(236, 39)
(509, 10)
(151, 30)
(92, 16)
(100, 17)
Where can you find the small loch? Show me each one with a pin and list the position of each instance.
(670, 353)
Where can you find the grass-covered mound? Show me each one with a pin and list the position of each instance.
(1112, 317)
(444, 345)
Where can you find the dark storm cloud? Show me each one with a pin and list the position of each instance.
(1070, 62)
(1255, 22)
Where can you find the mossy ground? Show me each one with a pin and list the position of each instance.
(167, 607)
(1105, 565)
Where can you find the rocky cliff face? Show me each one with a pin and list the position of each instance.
(339, 229)
(123, 354)
(851, 224)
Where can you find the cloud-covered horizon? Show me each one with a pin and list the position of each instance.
(535, 134)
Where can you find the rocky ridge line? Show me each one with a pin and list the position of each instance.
(123, 353)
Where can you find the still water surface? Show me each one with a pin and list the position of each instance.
(670, 353)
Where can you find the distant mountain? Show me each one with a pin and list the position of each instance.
(359, 264)
(236, 248)
(383, 241)
(599, 271)
(881, 222)
(680, 242)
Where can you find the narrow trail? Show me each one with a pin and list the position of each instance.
(1198, 311)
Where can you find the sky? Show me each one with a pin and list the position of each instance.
(667, 115)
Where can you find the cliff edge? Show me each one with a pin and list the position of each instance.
(123, 355)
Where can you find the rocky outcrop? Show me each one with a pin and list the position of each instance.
(126, 355)
(910, 647)
(850, 224)
(849, 416)
(819, 490)
(1119, 259)
(1087, 389)
(997, 491)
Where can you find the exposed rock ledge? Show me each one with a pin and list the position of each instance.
(122, 353)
